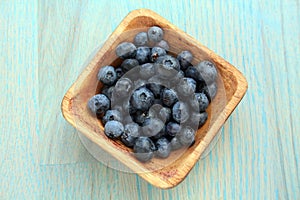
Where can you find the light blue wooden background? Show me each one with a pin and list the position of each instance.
(43, 45)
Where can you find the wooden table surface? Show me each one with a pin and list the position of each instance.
(43, 48)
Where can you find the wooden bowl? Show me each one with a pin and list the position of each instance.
(162, 173)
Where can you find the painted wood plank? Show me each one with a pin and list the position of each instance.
(19, 177)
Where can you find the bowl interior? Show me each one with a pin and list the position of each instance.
(162, 173)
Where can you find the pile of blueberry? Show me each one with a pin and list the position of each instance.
(154, 102)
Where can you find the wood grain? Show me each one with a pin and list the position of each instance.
(258, 154)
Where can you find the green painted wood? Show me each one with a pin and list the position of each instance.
(44, 45)
(19, 173)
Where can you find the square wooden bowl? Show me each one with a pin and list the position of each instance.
(162, 173)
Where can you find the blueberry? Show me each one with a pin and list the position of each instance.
(107, 75)
(154, 110)
(147, 70)
(142, 99)
(169, 97)
(155, 34)
(127, 119)
(167, 65)
(192, 102)
(143, 149)
(202, 101)
(140, 117)
(180, 112)
(210, 90)
(123, 87)
(117, 107)
(186, 136)
(111, 115)
(157, 52)
(163, 44)
(177, 77)
(152, 127)
(113, 129)
(180, 74)
(99, 104)
(193, 73)
(129, 64)
(202, 119)
(185, 58)
(154, 88)
(175, 144)
(141, 39)
(165, 114)
(126, 50)
(173, 128)
(119, 72)
(120, 108)
(139, 83)
(163, 148)
(201, 87)
(159, 135)
(160, 112)
(131, 133)
(159, 79)
(208, 71)
(128, 108)
(108, 91)
(157, 101)
(186, 87)
(142, 54)
(104, 89)
(194, 120)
